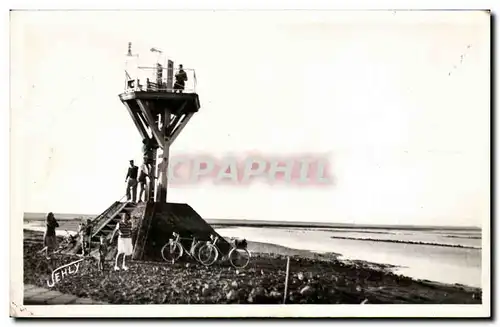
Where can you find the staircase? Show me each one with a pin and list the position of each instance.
(105, 223)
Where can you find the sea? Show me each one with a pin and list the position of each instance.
(450, 256)
(447, 256)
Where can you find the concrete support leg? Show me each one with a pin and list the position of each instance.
(152, 179)
(163, 166)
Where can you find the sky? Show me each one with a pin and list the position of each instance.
(398, 102)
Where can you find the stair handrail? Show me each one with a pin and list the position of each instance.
(97, 219)
(107, 210)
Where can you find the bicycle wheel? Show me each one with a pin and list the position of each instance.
(239, 258)
(171, 251)
(195, 251)
(208, 254)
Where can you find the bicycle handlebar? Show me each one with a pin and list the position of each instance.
(213, 238)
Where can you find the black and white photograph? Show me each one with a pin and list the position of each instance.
(250, 163)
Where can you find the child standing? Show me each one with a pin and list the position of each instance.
(103, 252)
(85, 232)
(81, 234)
(88, 236)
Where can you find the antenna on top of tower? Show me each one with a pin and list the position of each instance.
(160, 56)
(129, 53)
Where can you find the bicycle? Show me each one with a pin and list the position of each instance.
(174, 249)
(238, 256)
(68, 239)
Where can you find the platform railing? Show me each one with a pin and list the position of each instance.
(145, 80)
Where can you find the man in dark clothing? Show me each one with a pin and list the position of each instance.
(131, 181)
(180, 79)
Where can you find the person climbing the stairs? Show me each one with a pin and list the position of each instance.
(131, 181)
(124, 229)
(148, 147)
(143, 174)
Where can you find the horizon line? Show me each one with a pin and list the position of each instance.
(277, 223)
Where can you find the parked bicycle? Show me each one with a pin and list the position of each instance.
(174, 249)
(238, 256)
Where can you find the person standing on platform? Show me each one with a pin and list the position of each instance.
(131, 181)
(180, 80)
(125, 247)
(49, 237)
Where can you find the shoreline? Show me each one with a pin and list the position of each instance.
(221, 223)
(257, 247)
(280, 250)
(315, 278)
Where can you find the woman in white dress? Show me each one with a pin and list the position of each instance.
(125, 247)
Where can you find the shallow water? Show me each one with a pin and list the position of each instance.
(436, 263)
(65, 226)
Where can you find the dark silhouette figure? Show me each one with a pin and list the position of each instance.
(180, 80)
(49, 237)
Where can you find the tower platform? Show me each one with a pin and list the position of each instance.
(161, 115)
(178, 103)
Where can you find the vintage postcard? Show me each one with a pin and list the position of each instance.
(250, 163)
